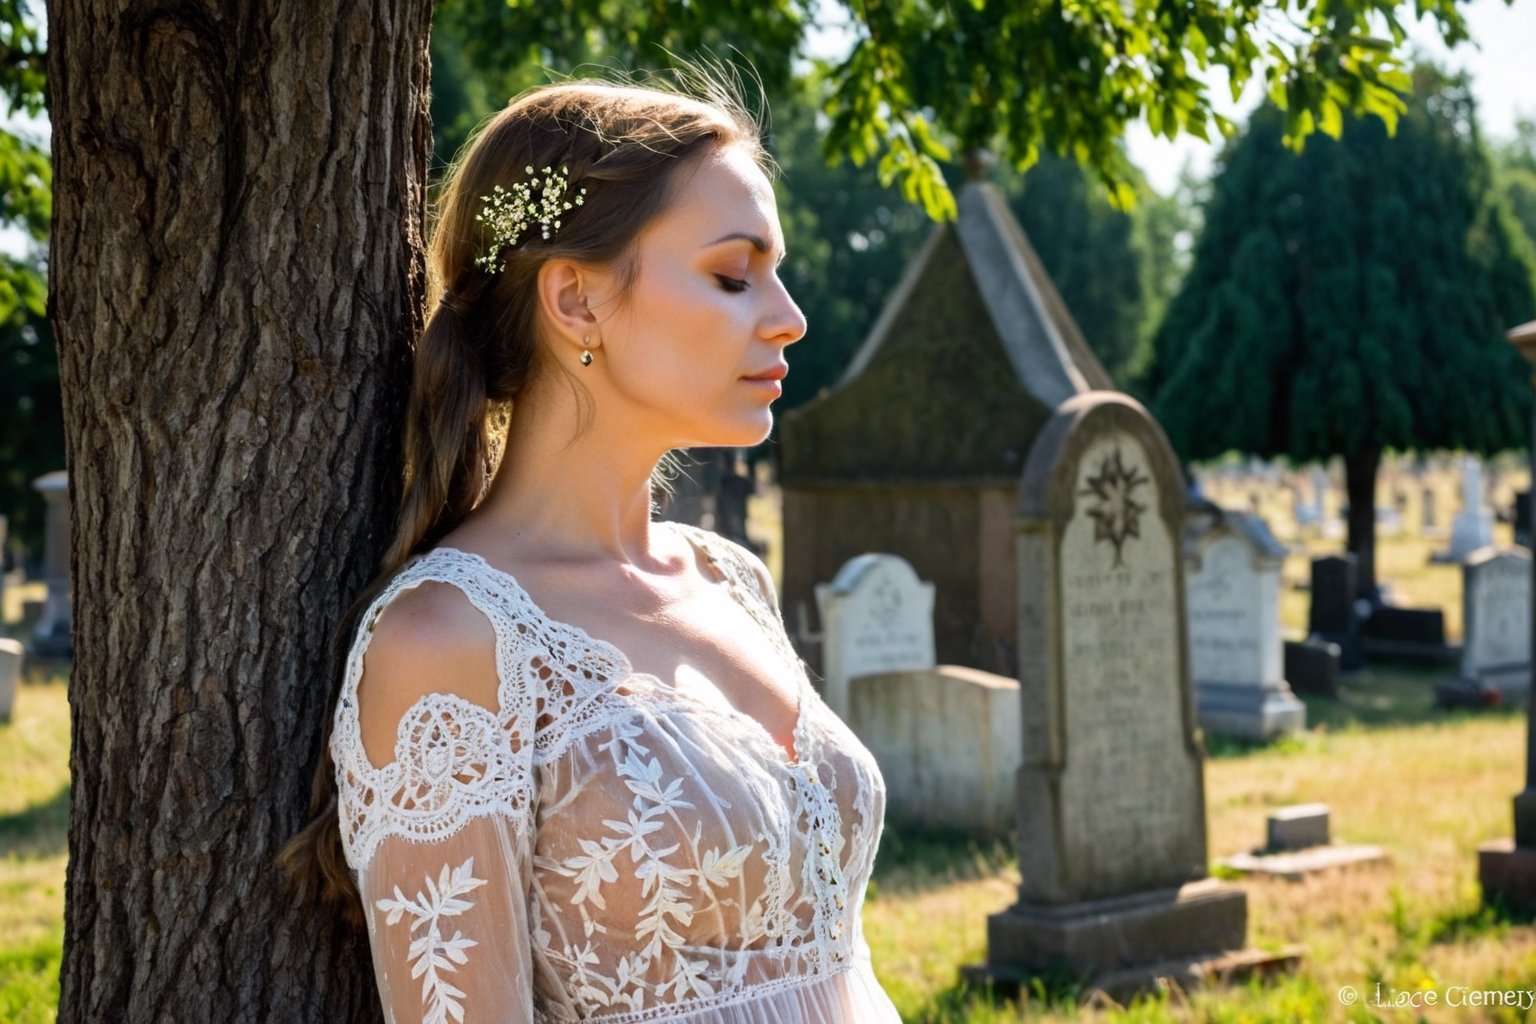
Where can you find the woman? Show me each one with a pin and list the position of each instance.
(579, 771)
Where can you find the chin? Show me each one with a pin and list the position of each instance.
(742, 433)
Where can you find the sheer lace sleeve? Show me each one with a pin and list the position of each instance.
(435, 780)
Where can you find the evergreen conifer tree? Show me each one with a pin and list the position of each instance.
(1351, 299)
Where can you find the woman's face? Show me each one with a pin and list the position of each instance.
(707, 311)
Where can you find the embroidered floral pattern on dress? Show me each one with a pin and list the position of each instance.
(431, 955)
(659, 853)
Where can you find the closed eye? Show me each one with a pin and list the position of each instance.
(732, 284)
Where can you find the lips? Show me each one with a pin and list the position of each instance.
(775, 373)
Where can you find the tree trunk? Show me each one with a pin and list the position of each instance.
(1360, 489)
(235, 274)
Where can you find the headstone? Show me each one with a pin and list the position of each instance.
(1311, 514)
(948, 745)
(1389, 521)
(1428, 523)
(1313, 667)
(1405, 634)
(1332, 614)
(51, 636)
(1496, 605)
(877, 617)
(10, 674)
(1472, 528)
(1111, 792)
(1523, 518)
(1232, 567)
(1296, 827)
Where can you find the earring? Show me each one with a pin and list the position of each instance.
(586, 356)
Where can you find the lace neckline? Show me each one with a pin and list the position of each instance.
(792, 760)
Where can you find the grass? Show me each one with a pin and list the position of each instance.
(34, 826)
(1428, 792)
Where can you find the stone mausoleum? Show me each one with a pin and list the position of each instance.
(917, 451)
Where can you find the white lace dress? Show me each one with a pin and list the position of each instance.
(602, 847)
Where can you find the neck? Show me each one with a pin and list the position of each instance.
(563, 498)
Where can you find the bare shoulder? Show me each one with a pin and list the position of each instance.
(428, 639)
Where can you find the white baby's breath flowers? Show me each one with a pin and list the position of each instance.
(540, 200)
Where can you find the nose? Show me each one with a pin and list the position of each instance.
(784, 322)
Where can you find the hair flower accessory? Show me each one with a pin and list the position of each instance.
(539, 200)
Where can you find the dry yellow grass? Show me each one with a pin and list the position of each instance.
(1427, 793)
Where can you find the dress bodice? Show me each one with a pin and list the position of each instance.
(625, 851)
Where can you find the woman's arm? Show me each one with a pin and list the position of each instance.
(442, 853)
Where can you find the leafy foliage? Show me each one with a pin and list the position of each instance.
(1515, 164)
(1352, 297)
(31, 416)
(1027, 76)
(513, 44)
(928, 78)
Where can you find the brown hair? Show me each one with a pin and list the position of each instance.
(624, 144)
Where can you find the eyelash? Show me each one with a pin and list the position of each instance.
(731, 284)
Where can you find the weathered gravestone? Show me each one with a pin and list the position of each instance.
(1112, 827)
(51, 636)
(1496, 605)
(1232, 567)
(1472, 529)
(11, 660)
(877, 617)
(946, 737)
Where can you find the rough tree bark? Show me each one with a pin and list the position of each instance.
(235, 273)
(1360, 490)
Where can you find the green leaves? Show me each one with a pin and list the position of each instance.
(931, 78)
(1068, 76)
(26, 173)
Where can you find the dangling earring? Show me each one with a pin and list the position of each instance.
(586, 355)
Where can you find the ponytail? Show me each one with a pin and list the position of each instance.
(447, 465)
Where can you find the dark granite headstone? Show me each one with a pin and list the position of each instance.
(1415, 635)
(1523, 518)
(1406, 625)
(1332, 616)
(1333, 595)
(1313, 667)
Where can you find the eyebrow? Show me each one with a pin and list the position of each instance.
(757, 241)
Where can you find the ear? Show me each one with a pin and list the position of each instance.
(565, 301)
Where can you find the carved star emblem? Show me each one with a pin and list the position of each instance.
(1117, 516)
